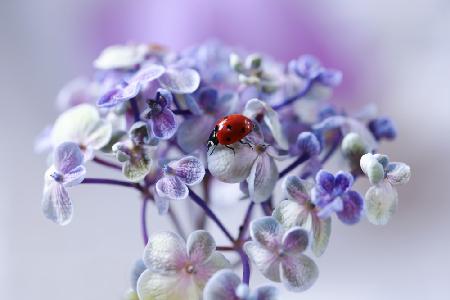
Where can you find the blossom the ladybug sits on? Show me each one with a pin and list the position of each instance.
(229, 130)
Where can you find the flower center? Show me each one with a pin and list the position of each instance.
(190, 269)
(260, 148)
(57, 177)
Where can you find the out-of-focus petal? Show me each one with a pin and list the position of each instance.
(381, 203)
(121, 57)
(295, 240)
(183, 81)
(138, 268)
(205, 270)
(56, 204)
(171, 187)
(155, 286)
(139, 163)
(353, 205)
(267, 262)
(321, 231)
(266, 293)
(290, 213)
(222, 286)
(148, 73)
(298, 272)
(164, 125)
(229, 166)
(267, 232)
(165, 253)
(331, 78)
(194, 131)
(200, 245)
(398, 173)
(189, 169)
(67, 156)
(306, 66)
(297, 189)
(372, 168)
(162, 204)
(100, 135)
(262, 178)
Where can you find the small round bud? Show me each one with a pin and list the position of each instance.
(253, 61)
(235, 62)
(383, 128)
(308, 144)
(353, 145)
(372, 168)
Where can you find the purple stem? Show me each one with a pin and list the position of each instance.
(199, 201)
(112, 182)
(267, 207)
(106, 163)
(243, 227)
(183, 112)
(301, 159)
(291, 99)
(144, 220)
(245, 267)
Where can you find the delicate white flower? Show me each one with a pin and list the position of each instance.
(382, 198)
(82, 125)
(179, 270)
(278, 255)
(121, 57)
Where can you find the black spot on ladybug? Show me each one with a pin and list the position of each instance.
(229, 127)
(243, 129)
(228, 139)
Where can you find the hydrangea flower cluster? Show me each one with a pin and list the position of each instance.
(149, 113)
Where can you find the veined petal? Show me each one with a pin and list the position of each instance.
(201, 125)
(229, 166)
(262, 179)
(165, 253)
(381, 203)
(100, 135)
(189, 169)
(156, 286)
(171, 187)
(290, 213)
(295, 240)
(74, 177)
(222, 286)
(298, 272)
(204, 271)
(67, 156)
(325, 181)
(267, 232)
(183, 81)
(296, 189)
(200, 245)
(267, 262)
(164, 125)
(75, 125)
(353, 205)
(321, 231)
(398, 173)
(56, 204)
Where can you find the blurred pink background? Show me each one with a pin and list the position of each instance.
(396, 54)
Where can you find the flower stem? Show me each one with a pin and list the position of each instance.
(291, 99)
(199, 201)
(112, 182)
(106, 163)
(175, 221)
(245, 267)
(181, 112)
(144, 220)
(243, 227)
(301, 159)
(267, 207)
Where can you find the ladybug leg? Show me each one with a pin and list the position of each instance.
(213, 150)
(231, 149)
(246, 143)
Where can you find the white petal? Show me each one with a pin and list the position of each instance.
(183, 81)
(200, 246)
(290, 213)
(56, 204)
(267, 262)
(381, 203)
(255, 107)
(298, 273)
(204, 271)
(222, 286)
(165, 253)
(231, 167)
(262, 179)
(321, 231)
(100, 135)
(121, 57)
(372, 168)
(398, 173)
(154, 286)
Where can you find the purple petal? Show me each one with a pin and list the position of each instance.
(201, 125)
(208, 99)
(171, 187)
(296, 189)
(334, 206)
(189, 170)
(266, 293)
(330, 77)
(295, 240)
(342, 182)
(267, 262)
(74, 177)
(107, 99)
(67, 156)
(267, 232)
(148, 73)
(200, 246)
(222, 286)
(307, 66)
(184, 81)
(164, 98)
(325, 181)
(298, 273)
(164, 125)
(162, 204)
(353, 205)
(56, 204)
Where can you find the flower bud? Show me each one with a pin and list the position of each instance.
(372, 168)
(253, 61)
(308, 144)
(235, 62)
(353, 144)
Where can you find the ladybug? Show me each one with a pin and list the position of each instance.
(229, 130)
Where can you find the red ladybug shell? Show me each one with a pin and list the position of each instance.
(233, 128)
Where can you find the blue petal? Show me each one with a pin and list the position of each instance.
(164, 124)
(222, 286)
(325, 181)
(342, 182)
(67, 157)
(353, 205)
